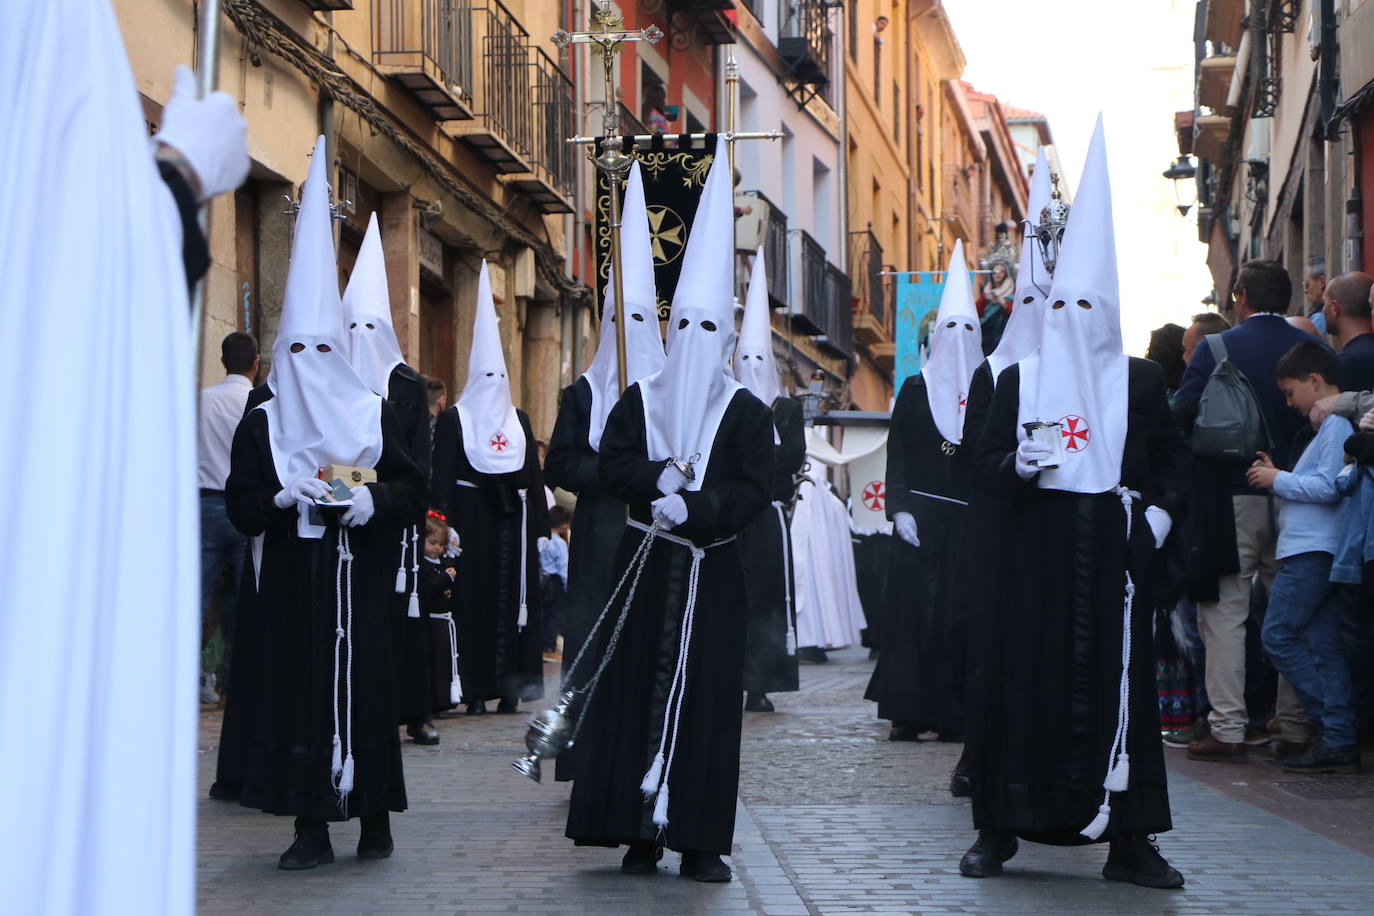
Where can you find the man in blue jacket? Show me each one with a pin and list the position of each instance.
(1261, 295)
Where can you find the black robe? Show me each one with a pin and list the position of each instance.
(409, 401)
(572, 464)
(285, 648)
(624, 720)
(1052, 699)
(437, 591)
(919, 676)
(770, 664)
(496, 657)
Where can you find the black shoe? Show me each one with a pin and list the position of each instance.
(477, 709)
(1323, 759)
(1135, 859)
(705, 867)
(641, 859)
(224, 790)
(960, 782)
(902, 731)
(422, 732)
(757, 702)
(507, 706)
(985, 857)
(950, 737)
(812, 655)
(311, 847)
(375, 840)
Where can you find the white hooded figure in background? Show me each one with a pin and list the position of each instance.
(373, 350)
(755, 366)
(829, 612)
(97, 316)
(1021, 336)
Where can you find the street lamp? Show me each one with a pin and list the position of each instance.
(1182, 173)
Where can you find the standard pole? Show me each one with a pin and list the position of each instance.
(207, 77)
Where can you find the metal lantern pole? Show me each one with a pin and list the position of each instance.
(207, 77)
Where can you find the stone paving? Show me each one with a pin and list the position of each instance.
(833, 818)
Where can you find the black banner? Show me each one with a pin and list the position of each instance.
(674, 172)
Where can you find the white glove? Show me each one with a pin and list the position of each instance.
(210, 133)
(304, 490)
(362, 510)
(671, 480)
(1160, 524)
(1027, 454)
(905, 525)
(671, 510)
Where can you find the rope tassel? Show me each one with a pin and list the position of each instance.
(413, 608)
(649, 785)
(1098, 826)
(661, 807)
(401, 569)
(1119, 776)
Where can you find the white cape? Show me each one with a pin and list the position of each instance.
(829, 614)
(100, 420)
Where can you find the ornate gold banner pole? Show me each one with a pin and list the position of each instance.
(608, 40)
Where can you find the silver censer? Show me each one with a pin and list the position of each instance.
(550, 734)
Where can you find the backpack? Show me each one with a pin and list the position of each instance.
(1229, 426)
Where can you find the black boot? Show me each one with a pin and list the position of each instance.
(225, 790)
(960, 782)
(985, 857)
(757, 702)
(422, 732)
(508, 705)
(904, 731)
(1136, 859)
(311, 847)
(642, 858)
(477, 709)
(812, 655)
(374, 842)
(705, 867)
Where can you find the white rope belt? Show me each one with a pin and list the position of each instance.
(455, 684)
(946, 499)
(341, 763)
(655, 781)
(786, 578)
(524, 615)
(1118, 761)
(411, 534)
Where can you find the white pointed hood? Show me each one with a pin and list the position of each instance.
(685, 400)
(956, 350)
(321, 412)
(372, 347)
(493, 439)
(643, 343)
(755, 366)
(1079, 377)
(1022, 333)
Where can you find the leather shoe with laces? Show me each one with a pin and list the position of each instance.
(641, 859)
(374, 842)
(985, 857)
(1322, 759)
(310, 848)
(1135, 859)
(705, 867)
(1214, 750)
(422, 732)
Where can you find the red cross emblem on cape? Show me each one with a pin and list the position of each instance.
(875, 496)
(1075, 433)
(499, 442)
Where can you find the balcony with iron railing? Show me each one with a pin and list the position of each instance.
(550, 181)
(503, 131)
(812, 314)
(630, 126)
(426, 46)
(703, 19)
(765, 224)
(958, 200)
(804, 41)
(839, 332)
(872, 319)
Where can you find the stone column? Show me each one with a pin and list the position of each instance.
(401, 253)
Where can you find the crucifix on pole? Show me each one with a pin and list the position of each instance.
(608, 40)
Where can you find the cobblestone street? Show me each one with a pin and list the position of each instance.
(833, 818)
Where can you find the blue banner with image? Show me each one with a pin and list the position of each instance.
(918, 299)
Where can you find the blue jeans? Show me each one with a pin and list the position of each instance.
(221, 544)
(1302, 634)
(1197, 655)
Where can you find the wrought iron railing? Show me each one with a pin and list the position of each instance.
(553, 121)
(504, 97)
(839, 332)
(630, 126)
(866, 266)
(804, 38)
(440, 30)
(775, 250)
(815, 304)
